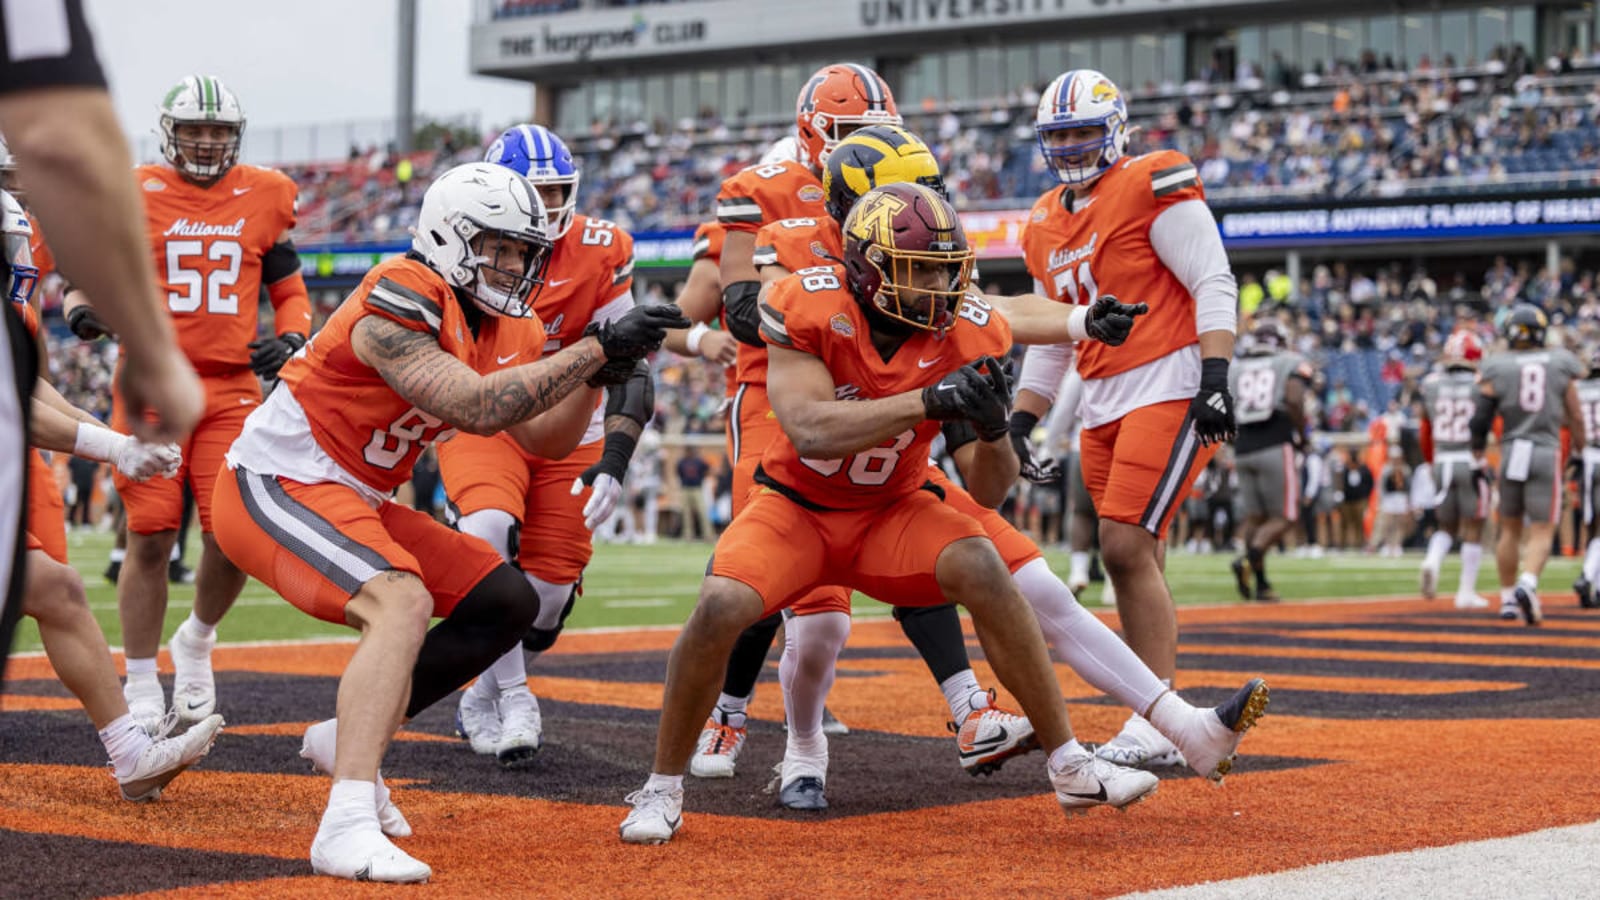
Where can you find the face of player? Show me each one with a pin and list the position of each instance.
(927, 289)
(1088, 137)
(553, 195)
(205, 143)
(507, 262)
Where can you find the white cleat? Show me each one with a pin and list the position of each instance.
(1088, 781)
(1141, 746)
(1471, 601)
(194, 689)
(990, 736)
(656, 816)
(318, 747)
(1528, 606)
(1210, 753)
(1430, 582)
(478, 720)
(717, 751)
(147, 704)
(363, 854)
(521, 728)
(167, 758)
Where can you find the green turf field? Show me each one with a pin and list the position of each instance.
(656, 585)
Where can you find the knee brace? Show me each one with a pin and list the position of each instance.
(538, 639)
(498, 528)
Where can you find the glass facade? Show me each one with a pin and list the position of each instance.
(996, 69)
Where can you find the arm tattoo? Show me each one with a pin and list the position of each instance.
(420, 371)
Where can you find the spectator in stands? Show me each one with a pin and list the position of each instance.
(1353, 493)
(692, 470)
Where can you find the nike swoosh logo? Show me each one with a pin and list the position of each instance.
(924, 363)
(238, 191)
(1099, 797)
(245, 401)
(502, 360)
(979, 747)
(558, 283)
(192, 705)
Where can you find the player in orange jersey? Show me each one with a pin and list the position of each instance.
(440, 340)
(700, 298)
(533, 508)
(867, 359)
(1154, 409)
(886, 154)
(219, 233)
(53, 592)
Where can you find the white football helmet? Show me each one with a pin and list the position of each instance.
(1082, 98)
(784, 149)
(8, 171)
(487, 205)
(17, 234)
(200, 99)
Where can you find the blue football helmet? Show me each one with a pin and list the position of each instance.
(17, 233)
(539, 154)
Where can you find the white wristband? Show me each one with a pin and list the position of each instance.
(96, 443)
(696, 334)
(1078, 323)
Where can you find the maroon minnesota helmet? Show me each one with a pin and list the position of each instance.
(894, 238)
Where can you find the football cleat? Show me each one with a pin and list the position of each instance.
(1210, 754)
(1241, 577)
(1141, 746)
(1585, 592)
(478, 721)
(362, 854)
(1471, 601)
(318, 747)
(521, 729)
(1430, 582)
(717, 750)
(194, 690)
(800, 778)
(990, 736)
(1509, 611)
(1087, 781)
(1528, 606)
(656, 816)
(831, 725)
(167, 758)
(1265, 594)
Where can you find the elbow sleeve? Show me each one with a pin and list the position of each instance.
(635, 398)
(741, 307)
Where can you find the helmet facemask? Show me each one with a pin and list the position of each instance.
(203, 101)
(1076, 163)
(922, 288)
(504, 271)
(17, 232)
(561, 214)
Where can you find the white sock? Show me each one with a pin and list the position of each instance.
(1079, 572)
(1591, 562)
(664, 782)
(198, 628)
(141, 669)
(1471, 557)
(1529, 581)
(730, 710)
(1508, 595)
(1438, 546)
(1084, 642)
(124, 740)
(177, 552)
(118, 554)
(1060, 756)
(1172, 716)
(352, 805)
(811, 646)
(960, 691)
(507, 672)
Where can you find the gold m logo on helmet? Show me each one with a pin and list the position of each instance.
(873, 218)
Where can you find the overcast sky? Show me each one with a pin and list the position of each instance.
(294, 63)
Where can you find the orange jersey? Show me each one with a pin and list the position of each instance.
(757, 196)
(708, 242)
(43, 259)
(590, 266)
(1104, 248)
(799, 244)
(207, 244)
(813, 312)
(356, 418)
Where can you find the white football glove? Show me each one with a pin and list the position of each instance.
(140, 461)
(602, 503)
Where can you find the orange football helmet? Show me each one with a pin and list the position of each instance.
(837, 100)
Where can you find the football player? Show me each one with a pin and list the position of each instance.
(867, 359)
(1269, 384)
(440, 340)
(1589, 399)
(1534, 391)
(532, 508)
(1156, 408)
(881, 155)
(219, 233)
(1461, 478)
(53, 593)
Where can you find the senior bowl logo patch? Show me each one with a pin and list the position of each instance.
(1038, 215)
(818, 250)
(154, 184)
(810, 194)
(841, 324)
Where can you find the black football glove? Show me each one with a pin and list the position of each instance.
(1575, 467)
(991, 412)
(1110, 321)
(1038, 471)
(1212, 408)
(638, 332)
(86, 325)
(955, 393)
(268, 355)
